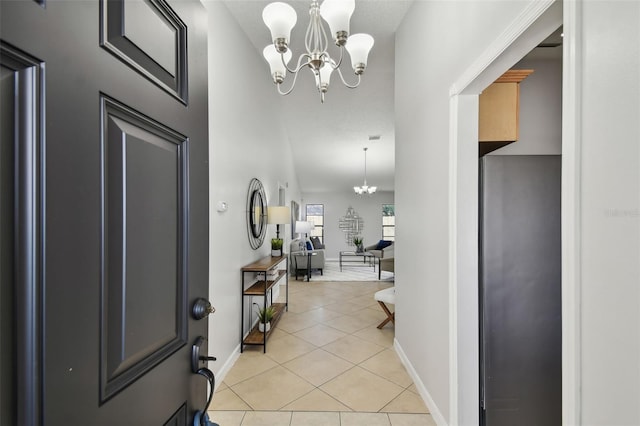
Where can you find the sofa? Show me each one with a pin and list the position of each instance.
(298, 258)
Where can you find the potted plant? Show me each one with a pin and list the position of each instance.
(276, 246)
(357, 241)
(265, 315)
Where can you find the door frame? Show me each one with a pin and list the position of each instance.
(29, 207)
(535, 23)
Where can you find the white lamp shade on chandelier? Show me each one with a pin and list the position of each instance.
(337, 13)
(358, 46)
(276, 64)
(280, 18)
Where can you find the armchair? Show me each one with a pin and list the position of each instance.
(386, 264)
(384, 256)
(380, 253)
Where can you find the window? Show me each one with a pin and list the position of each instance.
(315, 215)
(388, 222)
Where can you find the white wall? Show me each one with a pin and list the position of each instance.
(540, 109)
(608, 264)
(423, 187)
(601, 198)
(246, 141)
(335, 206)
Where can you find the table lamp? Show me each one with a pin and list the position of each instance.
(278, 215)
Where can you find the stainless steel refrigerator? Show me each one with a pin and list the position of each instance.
(520, 291)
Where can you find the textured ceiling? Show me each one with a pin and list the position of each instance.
(328, 139)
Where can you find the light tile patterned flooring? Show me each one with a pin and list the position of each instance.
(326, 364)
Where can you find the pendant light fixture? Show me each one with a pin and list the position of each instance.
(365, 189)
(280, 18)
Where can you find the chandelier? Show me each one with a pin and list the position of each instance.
(365, 189)
(280, 18)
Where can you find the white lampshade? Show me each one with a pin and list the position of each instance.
(325, 75)
(358, 46)
(272, 56)
(337, 13)
(303, 227)
(278, 215)
(280, 18)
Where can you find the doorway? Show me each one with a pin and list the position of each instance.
(525, 33)
(520, 253)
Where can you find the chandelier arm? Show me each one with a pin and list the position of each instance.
(350, 86)
(335, 65)
(298, 66)
(295, 77)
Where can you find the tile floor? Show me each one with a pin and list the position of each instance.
(326, 364)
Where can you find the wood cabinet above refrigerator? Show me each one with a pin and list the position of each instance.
(499, 111)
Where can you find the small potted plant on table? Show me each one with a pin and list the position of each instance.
(357, 241)
(265, 315)
(276, 246)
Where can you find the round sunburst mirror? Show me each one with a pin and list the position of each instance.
(256, 213)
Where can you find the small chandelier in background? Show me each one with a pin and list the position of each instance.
(365, 189)
(280, 18)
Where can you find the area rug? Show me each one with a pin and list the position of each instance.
(350, 272)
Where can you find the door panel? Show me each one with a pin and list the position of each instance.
(149, 37)
(125, 214)
(144, 168)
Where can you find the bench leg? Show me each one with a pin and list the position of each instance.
(391, 316)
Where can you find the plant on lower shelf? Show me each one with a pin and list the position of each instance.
(265, 315)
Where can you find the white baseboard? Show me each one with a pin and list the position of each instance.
(422, 389)
(226, 367)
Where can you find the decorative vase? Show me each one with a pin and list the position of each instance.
(276, 253)
(262, 327)
(359, 248)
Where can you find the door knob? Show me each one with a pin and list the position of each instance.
(202, 308)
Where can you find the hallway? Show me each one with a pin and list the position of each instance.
(326, 364)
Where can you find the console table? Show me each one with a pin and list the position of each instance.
(264, 287)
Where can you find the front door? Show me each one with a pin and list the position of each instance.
(109, 198)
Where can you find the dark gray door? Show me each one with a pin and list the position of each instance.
(520, 291)
(110, 190)
(7, 259)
